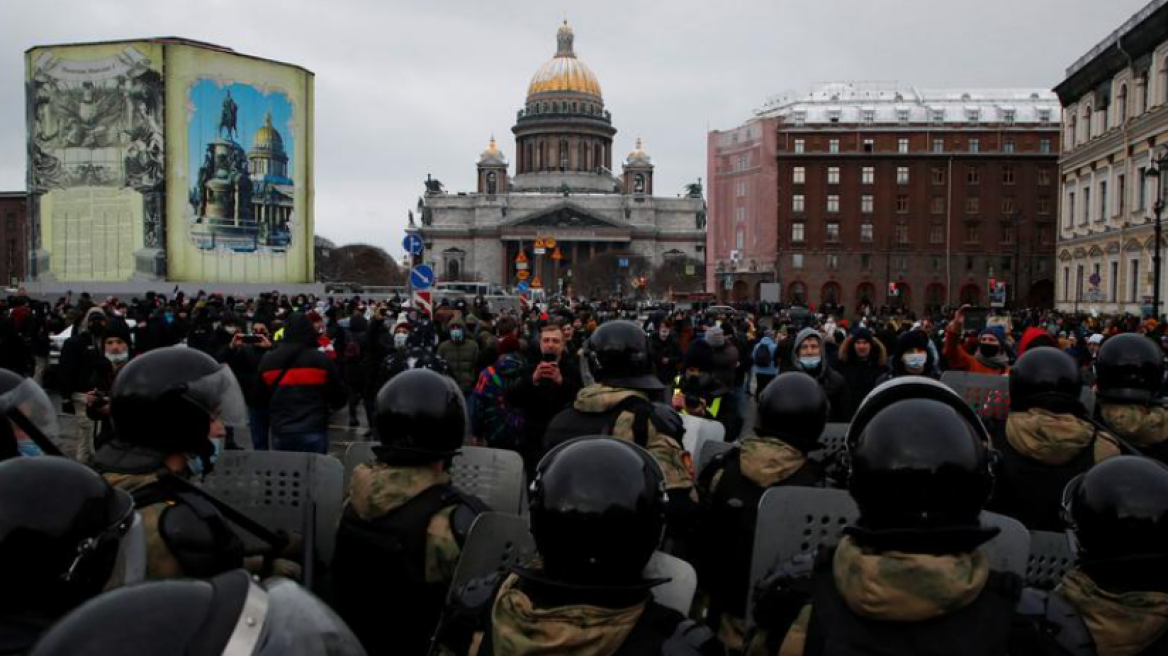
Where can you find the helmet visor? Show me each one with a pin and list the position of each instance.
(299, 624)
(219, 394)
(30, 400)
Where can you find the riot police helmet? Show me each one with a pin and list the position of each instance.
(1046, 379)
(1129, 369)
(618, 355)
(1118, 510)
(793, 408)
(420, 417)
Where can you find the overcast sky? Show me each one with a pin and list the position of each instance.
(409, 88)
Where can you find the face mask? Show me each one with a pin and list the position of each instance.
(456, 335)
(117, 358)
(809, 361)
(195, 463)
(169, 317)
(28, 448)
(399, 339)
(664, 334)
(914, 361)
(231, 330)
(988, 350)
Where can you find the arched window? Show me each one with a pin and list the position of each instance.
(798, 293)
(492, 183)
(639, 183)
(970, 294)
(830, 294)
(1072, 134)
(1145, 92)
(935, 294)
(1086, 123)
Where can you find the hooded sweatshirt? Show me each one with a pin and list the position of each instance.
(829, 379)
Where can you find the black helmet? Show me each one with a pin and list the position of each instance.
(420, 417)
(1118, 509)
(1129, 368)
(597, 511)
(229, 614)
(794, 409)
(618, 355)
(920, 468)
(1046, 378)
(23, 401)
(61, 525)
(167, 399)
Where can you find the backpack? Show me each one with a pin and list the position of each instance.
(763, 357)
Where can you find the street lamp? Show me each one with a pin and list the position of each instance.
(1157, 170)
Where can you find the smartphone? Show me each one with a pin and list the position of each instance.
(251, 339)
(550, 357)
(976, 319)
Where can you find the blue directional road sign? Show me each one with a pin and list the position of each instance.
(422, 277)
(413, 244)
(523, 286)
(623, 263)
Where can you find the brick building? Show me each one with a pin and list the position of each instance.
(935, 191)
(13, 236)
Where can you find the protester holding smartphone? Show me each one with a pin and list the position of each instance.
(547, 386)
(243, 355)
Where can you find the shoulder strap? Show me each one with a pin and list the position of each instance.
(642, 410)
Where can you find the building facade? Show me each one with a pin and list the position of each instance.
(1115, 123)
(892, 196)
(564, 207)
(13, 236)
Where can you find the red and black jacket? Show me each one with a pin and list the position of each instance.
(300, 384)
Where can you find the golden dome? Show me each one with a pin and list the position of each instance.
(639, 157)
(492, 155)
(564, 72)
(267, 137)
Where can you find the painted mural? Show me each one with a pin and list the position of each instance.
(96, 159)
(240, 150)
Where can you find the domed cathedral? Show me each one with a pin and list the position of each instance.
(564, 206)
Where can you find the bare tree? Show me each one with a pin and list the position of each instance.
(363, 264)
(673, 276)
(602, 276)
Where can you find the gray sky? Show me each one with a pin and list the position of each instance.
(409, 88)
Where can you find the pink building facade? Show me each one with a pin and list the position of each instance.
(741, 234)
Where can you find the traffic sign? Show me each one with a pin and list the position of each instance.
(557, 255)
(413, 244)
(422, 277)
(523, 275)
(521, 266)
(1095, 279)
(550, 242)
(424, 302)
(539, 242)
(522, 257)
(536, 284)
(623, 263)
(540, 247)
(523, 286)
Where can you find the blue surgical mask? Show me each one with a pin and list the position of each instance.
(400, 339)
(28, 448)
(809, 361)
(456, 335)
(195, 463)
(914, 360)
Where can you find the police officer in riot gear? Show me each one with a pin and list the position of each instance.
(792, 412)
(1046, 439)
(62, 530)
(404, 523)
(597, 516)
(624, 402)
(1129, 373)
(228, 615)
(169, 408)
(1115, 600)
(907, 577)
(31, 427)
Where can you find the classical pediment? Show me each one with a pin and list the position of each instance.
(566, 215)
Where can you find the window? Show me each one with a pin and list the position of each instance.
(938, 116)
(1008, 233)
(1008, 146)
(833, 232)
(938, 205)
(740, 189)
(1007, 175)
(797, 203)
(902, 203)
(972, 205)
(1086, 205)
(867, 203)
(1043, 205)
(1134, 267)
(973, 116)
(799, 175)
(1008, 263)
(1142, 189)
(1044, 116)
(902, 145)
(800, 145)
(868, 175)
(900, 263)
(1102, 201)
(868, 116)
(797, 232)
(832, 262)
(1008, 117)
(740, 215)
(1044, 238)
(969, 262)
(740, 239)
(833, 204)
(800, 118)
(1069, 217)
(902, 116)
(938, 145)
(1009, 206)
(1121, 194)
(1044, 146)
(938, 175)
(796, 260)
(973, 175)
(936, 233)
(902, 233)
(975, 145)
(972, 233)
(1114, 282)
(833, 175)
(834, 116)
(935, 262)
(1044, 177)
(869, 145)
(833, 146)
(866, 233)
(866, 262)
(1121, 106)
(740, 163)
(902, 175)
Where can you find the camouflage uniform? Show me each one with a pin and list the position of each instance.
(1120, 624)
(160, 562)
(1143, 426)
(891, 588)
(376, 489)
